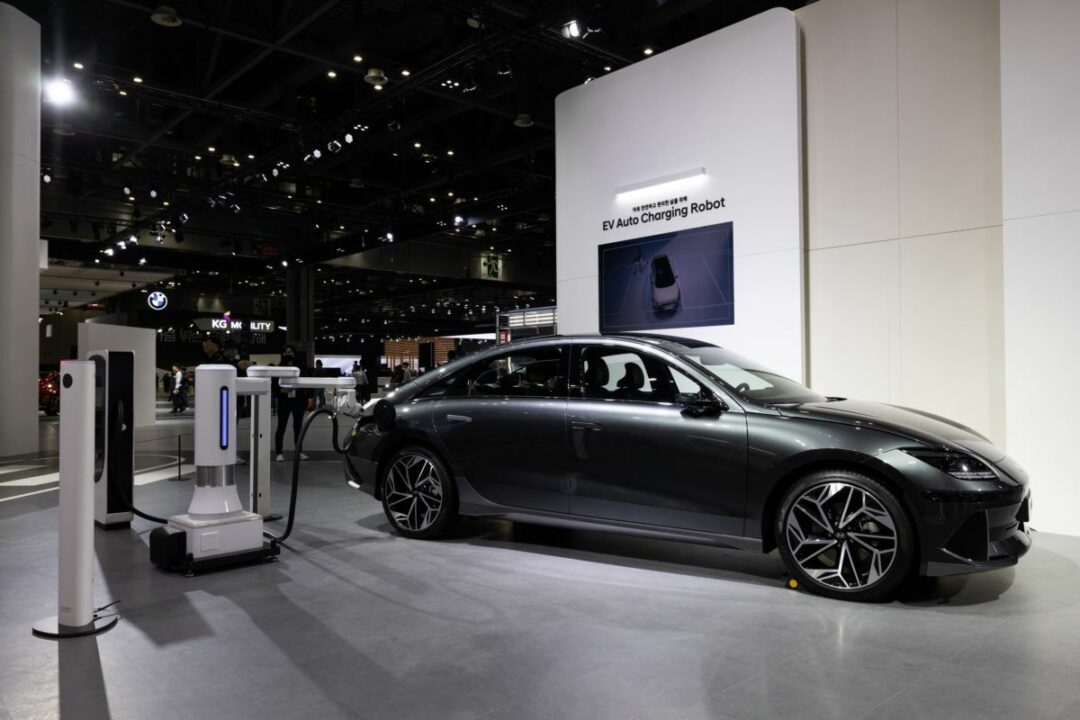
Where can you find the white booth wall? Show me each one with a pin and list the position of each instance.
(942, 211)
(1040, 105)
(141, 341)
(728, 102)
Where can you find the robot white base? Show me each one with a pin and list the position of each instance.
(220, 536)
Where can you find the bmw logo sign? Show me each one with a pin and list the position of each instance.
(157, 300)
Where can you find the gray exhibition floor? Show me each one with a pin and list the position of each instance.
(519, 622)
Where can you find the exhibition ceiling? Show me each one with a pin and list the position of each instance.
(407, 142)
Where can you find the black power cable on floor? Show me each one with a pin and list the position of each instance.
(296, 468)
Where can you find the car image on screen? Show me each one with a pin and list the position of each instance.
(665, 284)
(678, 439)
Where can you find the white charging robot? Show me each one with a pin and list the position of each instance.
(216, 531)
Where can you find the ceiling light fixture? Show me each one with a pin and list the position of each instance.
(357, 59)
(331, 74)
(523, 120)
(375, 76)
(77, 66)
(46, 178)
(166, 16)
(333, 146)
(648, 51)
(571, 30)
(348, 138)
(405, 73)
(211, 148)
(60, 92)
(136, 79)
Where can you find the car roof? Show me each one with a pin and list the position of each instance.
(649, 338)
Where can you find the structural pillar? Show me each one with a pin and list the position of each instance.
(300, 309)
(20, 188)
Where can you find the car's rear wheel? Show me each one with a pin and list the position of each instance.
(419, 495)
(844, 535)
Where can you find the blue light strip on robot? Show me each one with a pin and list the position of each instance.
(224, 417)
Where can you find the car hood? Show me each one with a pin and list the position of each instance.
(915, 424)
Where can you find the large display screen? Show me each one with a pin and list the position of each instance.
(677, 279)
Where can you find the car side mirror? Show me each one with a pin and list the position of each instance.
(704, 407)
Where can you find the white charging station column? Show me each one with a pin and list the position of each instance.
(215, 443)
(76, 537)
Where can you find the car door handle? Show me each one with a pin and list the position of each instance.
(580, 425)
(458, 419)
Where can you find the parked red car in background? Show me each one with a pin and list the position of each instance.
(49, 392)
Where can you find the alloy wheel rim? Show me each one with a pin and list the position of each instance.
(414, 492)
(842, 536)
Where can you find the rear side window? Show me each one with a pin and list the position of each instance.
(530, 372)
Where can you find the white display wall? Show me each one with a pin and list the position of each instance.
(903, 160)
(1040, 104)
(729, 103)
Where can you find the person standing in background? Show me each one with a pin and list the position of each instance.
(320, 393)
(360, 375)
(177, 394)
(290, 403)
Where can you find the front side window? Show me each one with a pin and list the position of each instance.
(608, 372)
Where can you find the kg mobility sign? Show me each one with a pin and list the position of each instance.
(663, 211)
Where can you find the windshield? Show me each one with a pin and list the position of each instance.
(747, 378)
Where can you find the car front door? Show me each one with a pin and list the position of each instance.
(640, 453)
(502, 422)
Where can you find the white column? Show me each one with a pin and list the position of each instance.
(20, 152)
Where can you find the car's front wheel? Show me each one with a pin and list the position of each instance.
(419, 495)
(844, 535)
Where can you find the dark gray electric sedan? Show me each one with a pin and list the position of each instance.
(678, 439)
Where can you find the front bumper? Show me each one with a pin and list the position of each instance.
(966, 532)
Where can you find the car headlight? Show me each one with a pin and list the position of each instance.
(960, 465)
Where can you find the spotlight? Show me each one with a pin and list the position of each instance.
(127, 190)
(458, 220)
(211, 148)
(235, 207)
(450, 153)
(405, 73)
(309, 159)
(198, 157)
(348, 138)
(251, 156)
(390, 237)
(46, 178)
(136, 79)
(331, 74)
(183, 218)
(357, 59)
(77, 66)
(648, 51)
(571, 30)
(523, 120)
(108, 252)
(378, 87)
(133, 239)
(333, 146)
(153, 193)
(121, 244)
(142, 261)
(274, 172)
(284, 263)
(316, 153)
(417, 145)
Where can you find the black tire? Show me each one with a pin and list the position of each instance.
(412, 478)
(853, 527)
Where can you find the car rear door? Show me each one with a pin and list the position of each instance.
(503, 425)
(638, 456)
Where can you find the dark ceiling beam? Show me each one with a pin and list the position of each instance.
(237, 73)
